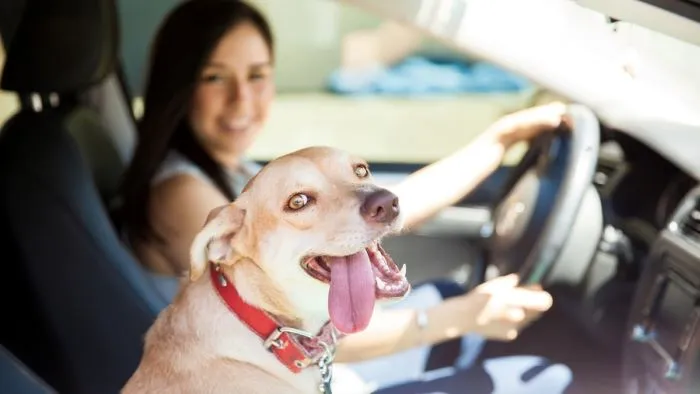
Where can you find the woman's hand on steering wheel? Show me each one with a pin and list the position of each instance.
(498, 309)
(527, 124)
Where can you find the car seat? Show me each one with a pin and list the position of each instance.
(17, 378)
(96, 300)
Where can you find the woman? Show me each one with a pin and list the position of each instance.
(209, 90)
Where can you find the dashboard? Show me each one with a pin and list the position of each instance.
(639, 184)
(663, 346)
(656, 206)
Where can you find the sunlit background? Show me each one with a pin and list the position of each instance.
(348, 78)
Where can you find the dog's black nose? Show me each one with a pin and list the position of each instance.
(380, 206)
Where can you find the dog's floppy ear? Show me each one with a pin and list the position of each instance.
(213, 242)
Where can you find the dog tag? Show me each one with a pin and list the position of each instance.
(325, 365)
(325, 388)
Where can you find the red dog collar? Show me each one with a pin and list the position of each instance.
(294, 348)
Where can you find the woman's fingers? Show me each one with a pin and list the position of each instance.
(538, 300)
(497, 310)
(530, 122)
(507, 308)
(514, 314)
(496, 285)
(514, 310)
(500, 333)
(507, 324)
(505, 290)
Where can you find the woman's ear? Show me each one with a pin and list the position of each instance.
(214, 243)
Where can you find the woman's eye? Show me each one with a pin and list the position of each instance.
(298, 201)
(212, 78)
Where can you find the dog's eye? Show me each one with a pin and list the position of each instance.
(361, 171)
(298, 201)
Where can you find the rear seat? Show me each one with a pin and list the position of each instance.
(93, 296)
(16, 378)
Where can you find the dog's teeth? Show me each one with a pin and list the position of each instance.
(403, 270)
(380, 284)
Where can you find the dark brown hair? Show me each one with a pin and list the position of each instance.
(182, 46)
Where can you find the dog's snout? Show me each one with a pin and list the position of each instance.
(380, 206)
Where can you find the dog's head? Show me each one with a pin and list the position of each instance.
(302, 240)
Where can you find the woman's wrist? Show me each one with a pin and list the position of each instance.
(505, 132)
(422, 322)
(444, 321)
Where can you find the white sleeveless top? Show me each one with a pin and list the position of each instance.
(177, 164)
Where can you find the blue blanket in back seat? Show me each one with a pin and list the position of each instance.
(426, 76)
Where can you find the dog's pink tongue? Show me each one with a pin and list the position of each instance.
(351, 298)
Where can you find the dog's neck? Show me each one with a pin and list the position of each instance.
(212, 331)
(258, 290)
(295, 350)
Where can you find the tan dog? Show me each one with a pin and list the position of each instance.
(297, 248)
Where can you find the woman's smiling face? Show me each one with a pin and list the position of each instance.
(233, 94)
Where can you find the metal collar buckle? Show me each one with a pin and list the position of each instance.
(325, 362)
(274, 339)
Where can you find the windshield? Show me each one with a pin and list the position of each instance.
(568, 49)
(348, 77)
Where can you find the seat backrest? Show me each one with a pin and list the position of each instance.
(77, 67)
(99, 150)
(17, 378)
(10, 15)
(96, 299)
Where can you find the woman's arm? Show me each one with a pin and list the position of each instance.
(178, 208)
(443, 183)
(432, 188)
(395, 330)
(497, 309)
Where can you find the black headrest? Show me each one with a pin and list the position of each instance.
(62, 46)
(10, 15)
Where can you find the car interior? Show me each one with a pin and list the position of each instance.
(606, 216)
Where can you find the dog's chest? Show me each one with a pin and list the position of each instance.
(345, 381)
(307, 381)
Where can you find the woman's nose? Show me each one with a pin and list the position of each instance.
(240, 96)
(237, 90)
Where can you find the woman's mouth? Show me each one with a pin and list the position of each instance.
(235, 127)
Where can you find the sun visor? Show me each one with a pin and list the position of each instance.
(674, 18)
(62, 46)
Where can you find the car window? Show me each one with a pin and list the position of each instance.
(8, 101)
(350, 79)
(138, 23)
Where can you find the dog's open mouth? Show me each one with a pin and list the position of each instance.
(356, 282)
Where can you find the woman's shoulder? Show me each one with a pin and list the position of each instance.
(180, 186)
(177, 169)
(178, 205)
(251, 168)
(243, 175)
(174, 166)
(179, 191)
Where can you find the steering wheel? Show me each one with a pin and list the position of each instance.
(540, 201)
